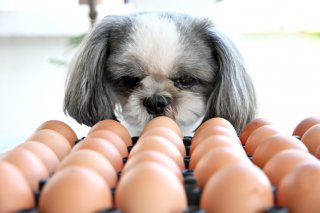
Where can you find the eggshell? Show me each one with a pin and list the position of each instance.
(163, 121)
(54, 140)
(169, 134)
(104, 148)
(44, 153)
(271, 146)
(91, 160)
(276, 169)
(217, 121)
(299, 191)
(61, 127)
(15, 193)
(28, 164)
(152, 156)
(211, 131)
(115, 127)
(311, 138)
(215, 160)
(161, 144)
(150, 187)
(305, 124)
(211, 143)
(111, 137)
(237, 188)
(260, 134)
(251, 126)
(75, 189)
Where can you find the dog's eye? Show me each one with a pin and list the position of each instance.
(185, 82)
(129, 81)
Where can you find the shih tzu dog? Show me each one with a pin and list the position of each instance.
(144, 65)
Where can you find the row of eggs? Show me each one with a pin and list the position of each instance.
(84, 173)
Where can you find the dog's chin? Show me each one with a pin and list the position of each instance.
(188, 117)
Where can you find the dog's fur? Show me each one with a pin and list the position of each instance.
(128, 66)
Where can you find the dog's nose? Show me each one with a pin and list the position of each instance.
(156, 104)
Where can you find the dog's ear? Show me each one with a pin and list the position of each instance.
(233, 95)
(87, 97)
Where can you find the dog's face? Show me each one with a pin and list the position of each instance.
(145, 65)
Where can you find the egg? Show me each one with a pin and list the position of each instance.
(15, 193)
(311, 138)
(215, 160)
(317, 153)
(217, 121)
(104, 148)
(28, 164)
(152, 156)
(237, 188)
(251, 126)
(150, 187)
(211, 143)
(271, 146)
(163, 121)
(161, 144)
(276, 169)
(61, 127)
(44, 153)
(54, 140)
(111, 137)
(299, 191)
(211, 131)
(260, 134)
(92, 160)
(75, 189)
(305, 124)
(169, 134)
(115, 127)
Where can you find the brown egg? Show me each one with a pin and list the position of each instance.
(299, 191)
(61, 127)
(15, 193)
(305, 124)
(150, 187)
(317, 153)
(311, 138)
(111, 137)
(260, 134)
(54, 140)
(75, 189)
(251, 126)
(104, 148)
(163, 121)
(152, 156)
(211, 143)
(28, 164)
(169, 134)
(161, 144)
(284, 162)
(211, 131)
(271, 146)
(115, 127)
(215, 160)
(217, 121)
(44, 153)
(91, 160)
(237, 188)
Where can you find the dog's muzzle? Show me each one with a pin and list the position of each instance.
(156, 104)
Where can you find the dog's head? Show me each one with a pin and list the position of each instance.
(140, 66)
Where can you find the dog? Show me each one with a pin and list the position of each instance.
(139, 66)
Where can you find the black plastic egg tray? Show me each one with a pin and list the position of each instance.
(193, 192)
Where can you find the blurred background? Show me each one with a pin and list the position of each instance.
(279, 39)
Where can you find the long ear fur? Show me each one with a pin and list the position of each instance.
(87, 97)
(233, 96)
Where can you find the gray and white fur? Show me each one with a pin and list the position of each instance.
(140, 66)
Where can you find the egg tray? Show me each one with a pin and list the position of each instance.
(193, 192)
